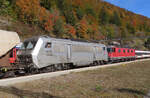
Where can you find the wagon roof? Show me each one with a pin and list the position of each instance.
(8, 40)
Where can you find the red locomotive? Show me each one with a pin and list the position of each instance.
(120, 54)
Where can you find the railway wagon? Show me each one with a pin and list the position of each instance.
(8, 41)
(41, 52)
(120, 54)
(142, 54)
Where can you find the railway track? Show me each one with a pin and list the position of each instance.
(10, 81)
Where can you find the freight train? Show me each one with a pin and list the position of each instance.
(45, 54)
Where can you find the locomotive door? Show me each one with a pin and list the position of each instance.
(95, 52)
(68, 52)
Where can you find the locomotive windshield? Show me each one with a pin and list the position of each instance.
(28, 45)
(110, 50)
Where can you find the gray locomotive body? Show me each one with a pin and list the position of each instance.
(45, 51)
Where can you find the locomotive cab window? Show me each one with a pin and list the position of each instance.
(48, 45)
(30, 45)
(109, 49)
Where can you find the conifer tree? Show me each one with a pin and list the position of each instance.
(103, 16)
(116, 19)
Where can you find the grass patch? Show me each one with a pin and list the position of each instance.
(125, 81)
(98, 88)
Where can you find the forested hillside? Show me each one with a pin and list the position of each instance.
(84, 19)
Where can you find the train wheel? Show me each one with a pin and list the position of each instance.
(32, 70)
(9, 74)
(59, 67)
(52, 68)
(105, 62)
(70, 66)
(101, 62)
(66, 66)
(94, 63)
(110, 62)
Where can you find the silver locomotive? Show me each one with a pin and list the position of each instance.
(44, 52)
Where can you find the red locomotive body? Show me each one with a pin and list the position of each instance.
(120, 54)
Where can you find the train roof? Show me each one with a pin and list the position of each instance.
(111, 46)
(8, 40)
(35, 38)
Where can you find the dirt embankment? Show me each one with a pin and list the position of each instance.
(124, 81)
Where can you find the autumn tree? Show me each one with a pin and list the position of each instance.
(48, 25)
(27, 12)
(70, 30)
(82, 29)
(94, 32)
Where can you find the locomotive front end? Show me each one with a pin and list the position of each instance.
(24, 54)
